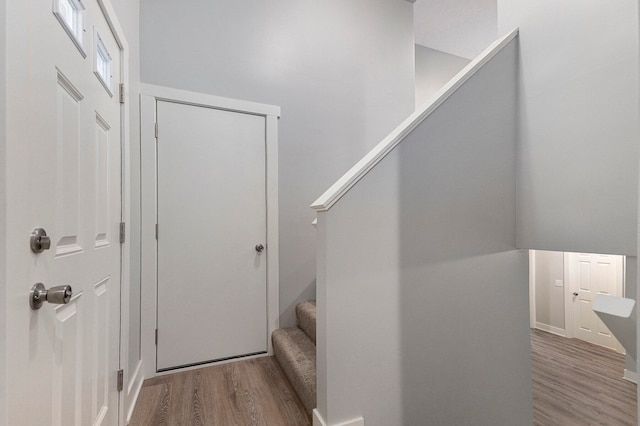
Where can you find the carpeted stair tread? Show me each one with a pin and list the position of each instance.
(306, 313)
(296, 354)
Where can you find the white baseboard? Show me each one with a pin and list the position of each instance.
(631, 376)
(319, 421)
(317, 418)
(133, 390)
(551, 329)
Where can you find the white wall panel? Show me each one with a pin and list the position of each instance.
(578, 126)
(426, 296)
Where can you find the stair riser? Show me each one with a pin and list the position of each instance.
(306, 313)
(295, 353)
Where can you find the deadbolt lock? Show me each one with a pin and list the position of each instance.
(39, 240)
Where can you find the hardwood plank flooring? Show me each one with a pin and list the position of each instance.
(578, 383)
(248, 392)
(574, 383)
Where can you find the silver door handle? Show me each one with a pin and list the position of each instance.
(60, 295)
(575, 293)
(259, 248)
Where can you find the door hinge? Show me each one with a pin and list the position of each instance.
(156, 337)
(156, 130)
(120, 380)
(156, 231)
(121, 93)
(122, 232)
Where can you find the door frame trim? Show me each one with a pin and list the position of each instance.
(149, 95)
(569, 284)
(125, 403)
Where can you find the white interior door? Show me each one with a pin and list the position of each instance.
(590, 275)
(211, 215)
(63, 160)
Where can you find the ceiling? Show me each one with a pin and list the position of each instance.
(459, 27)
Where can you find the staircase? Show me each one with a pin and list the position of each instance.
(295, 351)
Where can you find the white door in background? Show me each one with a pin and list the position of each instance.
(64, 175)
(590, 275)
(211, 183)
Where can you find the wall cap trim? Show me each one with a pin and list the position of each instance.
(369, 161)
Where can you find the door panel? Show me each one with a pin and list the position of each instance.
(211, 215)
(68, 110)
(590, 275)
(64, 149)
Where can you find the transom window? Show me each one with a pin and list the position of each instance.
(70, 14)
(103, 64)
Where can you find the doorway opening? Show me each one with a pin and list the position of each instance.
(563, 288)
(572, 349)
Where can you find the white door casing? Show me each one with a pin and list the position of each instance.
(590, 275)
(185, 250)
(63, 159)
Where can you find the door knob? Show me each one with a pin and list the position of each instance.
(39, 240)
(259, 248)
(575, 293)
(59, 295)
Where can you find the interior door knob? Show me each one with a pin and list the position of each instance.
(60, 295)
(39, 240)
(259, 248)
(575, 293)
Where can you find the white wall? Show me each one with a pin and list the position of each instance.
(422, 295)
(434, 69)
(549, 298)
(462, 27)
(342, 72)
(579, 120)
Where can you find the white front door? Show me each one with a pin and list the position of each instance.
(63, 175)
(212, 293)
(590, 275)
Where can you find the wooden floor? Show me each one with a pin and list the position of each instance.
(248, 392)
(574, 383)
(577, 383)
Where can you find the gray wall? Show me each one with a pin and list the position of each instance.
(549, 267)
(463, 27)
(343, 73)
(434, 69)
(579, 120)
(426, 296)
(3, 215)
